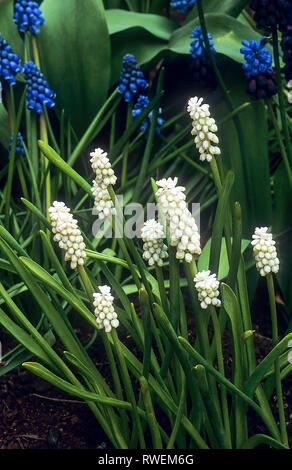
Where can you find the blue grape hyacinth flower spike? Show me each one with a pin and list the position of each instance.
(258, 69)
(183, 5)
(10, 64)
(140, 105)
(132, 80)
(28, 16)
(38, 93)
(19, 150)
(201, 67)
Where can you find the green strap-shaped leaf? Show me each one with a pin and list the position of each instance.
(75, 52)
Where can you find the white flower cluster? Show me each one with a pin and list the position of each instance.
(155, 251)
(204, 128)
(207, 286)
(105, 177)
(106, 317)
(183, 230)
(67, 233)
(265, 251)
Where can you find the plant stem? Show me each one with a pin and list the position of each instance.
(126, 149)
(272, 300)
(128, 386)
(281, 94)
(220, 359)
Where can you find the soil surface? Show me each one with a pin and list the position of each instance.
(34, 415)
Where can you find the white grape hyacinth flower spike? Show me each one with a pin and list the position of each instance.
(204, 129)
(104, 177)
(154, 249)
(207, 287)
(265, 251)
(106, 317)
(67, 234)
(183, 230)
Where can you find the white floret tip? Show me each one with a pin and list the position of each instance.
(154, 250)
(204, 129)
(67, 234)
(265, 251)
(104, 177)
(183, 230)
(207, 287)
(106, 317)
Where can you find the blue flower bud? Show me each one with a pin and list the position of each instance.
(38, 93)
(28, 16)
(258, 57)
(10, 64)
(132, 80)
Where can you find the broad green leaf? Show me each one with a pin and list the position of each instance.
(227, 34)
(251, 166)
(120, 20)
(229, 7)
(75, 53)
(8, 28)
(4, 127)
(203, 262)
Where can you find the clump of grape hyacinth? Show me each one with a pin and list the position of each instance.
(38, 93)
(106, 317)
(154, 250)
(28, 16)
(19, 150)
(207, 287)
(67, 234)
(204, 129)
(10, 64)
(183, 230)
(265, 251)
(183, 5)
(200, 65)
(272, 13)
(258, 69)
(139, 106)
(132, 81)
(104, 177)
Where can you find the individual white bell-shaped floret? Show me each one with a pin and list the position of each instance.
(204, 129)
(154, 250)
(67, 234)
(183, 230)
(106, 317)
(207, 287)
(104, 177)
(265, 251)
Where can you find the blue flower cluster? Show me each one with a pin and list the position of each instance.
(140, 105)
(183, 5)
(39, 93)
(132, 80)
(200, 65)
(198, 45)
(19, 150)
(10, 64)
(258, 57)
(272, 13)
(28, 16)
(258, 69)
